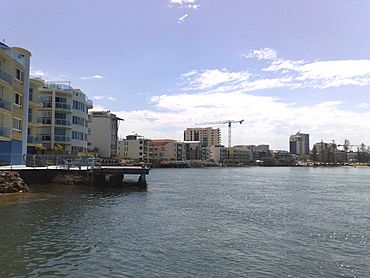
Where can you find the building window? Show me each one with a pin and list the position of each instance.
(17, 124)
(19, 75)
(76, 135)
(17, 99)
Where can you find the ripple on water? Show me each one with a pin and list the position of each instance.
(252, 222)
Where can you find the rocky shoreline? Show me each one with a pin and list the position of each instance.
(11, 182)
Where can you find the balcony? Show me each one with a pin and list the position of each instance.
(5, 104)
(62, 138)
(89, 103)
(57, 86)
(62, 105)
(34, 139)
(7, 77)
(45, 137)
(45, 121)
(4, 132)
(63, 122)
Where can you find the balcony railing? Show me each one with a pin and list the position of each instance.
(6, 76)
(34, 139)
(62, 122)
(57, 86)
(62, 105)
(45, 137)
(5, 104)
(4, 132)
(58, 105)
(46, 121)
(62, 138)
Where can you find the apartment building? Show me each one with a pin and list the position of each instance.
(217, 153)
(299, 144)
(64, 117)
(167, 150)
(134, 148)
(103, 133)
(14, 90)
(207, 136)
(34, 121)
(239, 154)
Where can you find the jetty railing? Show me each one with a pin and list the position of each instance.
(56, 161)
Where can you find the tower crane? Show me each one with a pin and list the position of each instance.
(229, 122)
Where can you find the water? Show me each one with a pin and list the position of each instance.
(242, 222)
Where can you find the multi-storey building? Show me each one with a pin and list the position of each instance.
(134, 147)
(299, 144)
(206, 136)
(64, 115)
(34, 120)
(103, 133)
(217, 153)
(239, 154)
(167, 150)
(14, 90)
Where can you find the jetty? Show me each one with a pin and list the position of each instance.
(74, 173)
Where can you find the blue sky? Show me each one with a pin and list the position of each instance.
(164, 65)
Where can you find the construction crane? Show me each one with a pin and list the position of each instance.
(347, 146)
(229, 122)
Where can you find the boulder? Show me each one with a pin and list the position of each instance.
(11, 182)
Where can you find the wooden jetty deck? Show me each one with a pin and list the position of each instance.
(97, 176)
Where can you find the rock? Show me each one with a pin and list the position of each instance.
(11, 182)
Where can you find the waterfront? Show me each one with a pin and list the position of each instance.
(250, 222)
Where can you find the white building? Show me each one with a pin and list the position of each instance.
(64, 115)
(103, 133)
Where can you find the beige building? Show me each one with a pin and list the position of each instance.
(134, 148)
(14, 90)
(207, 136)
(103, 133)
(34, 120)
(167, 150)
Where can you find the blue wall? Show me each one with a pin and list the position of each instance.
(11, 151)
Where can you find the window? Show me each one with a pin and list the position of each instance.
(76, 135)
(19, 75)
(78, 106)
(17, 124)
(17, 99)
(30, 95)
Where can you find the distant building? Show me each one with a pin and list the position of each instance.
(206, 136)
(63, 115)
(299, 144)
(14, 90)
(257, 152)
(239, 154)
(162, 150)
(217, 153)
(103, 133)
(134, 147)
(193, 150)
(328, 152)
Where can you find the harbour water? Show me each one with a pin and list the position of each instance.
(232, 222)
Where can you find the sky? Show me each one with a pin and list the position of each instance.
(165, 65)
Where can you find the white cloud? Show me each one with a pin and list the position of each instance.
(182, 18)
(221, 94)
(268, 119)
(210, 78)
(103, 97)
(261, 54)
(98, 97)
(191, 4)
(38, 73)
(280, 73)
(96, 76)
(112, 98)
